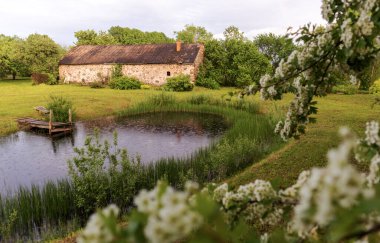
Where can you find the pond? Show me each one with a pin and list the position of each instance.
(30, 158)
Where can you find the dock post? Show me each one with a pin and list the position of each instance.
(70, 117)
(50, 121)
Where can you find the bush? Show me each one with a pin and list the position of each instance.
(40, 78)
(207, 83)
(97, 85)
(52, 80)
(60, 107)
(375, 88)
(44, 78)
(345, 89)
(97, 185)
(146, 86)
(179, 83)
(124, 83)
(117, 71)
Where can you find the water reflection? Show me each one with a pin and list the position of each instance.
(27, 157)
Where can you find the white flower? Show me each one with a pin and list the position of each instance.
(146, 201)
(220, 192)
(347, 33)
(372, 133)
(97, 230)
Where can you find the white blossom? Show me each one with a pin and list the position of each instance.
(372, 133)
(96, 230)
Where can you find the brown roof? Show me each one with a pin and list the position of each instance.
(131, 54)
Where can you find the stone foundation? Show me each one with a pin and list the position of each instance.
(153, 74)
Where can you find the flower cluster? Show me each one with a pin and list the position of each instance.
(350, 38)
(255, 202)
(170, 215)
(98, 229)
(339, 185)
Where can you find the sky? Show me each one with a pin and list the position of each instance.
(60, 19)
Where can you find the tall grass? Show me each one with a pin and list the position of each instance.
(248, 139)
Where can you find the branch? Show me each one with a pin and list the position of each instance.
(361, 234)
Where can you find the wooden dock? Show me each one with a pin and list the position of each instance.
(50, 126)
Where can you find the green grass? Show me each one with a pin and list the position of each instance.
(17, 99)
(310, 150)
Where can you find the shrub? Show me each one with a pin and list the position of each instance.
(179, 83)
(124, 83)
(97, 85)
(117, 71)
(52, 80)
(46, 78)
(345, 89)
(207, 83)
(145, 86)
(375, 88)
(40, 78)
(60, 107)
(96, 184)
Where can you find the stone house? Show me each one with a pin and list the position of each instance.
(151, 64)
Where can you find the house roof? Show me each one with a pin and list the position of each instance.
(131, 54)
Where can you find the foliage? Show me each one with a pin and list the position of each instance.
(124, 83)
(375, 88)
(179, 83)
(94, 185)
(193, 34)
(233, 62)
(61, 107)
(274, 47)
(40, 78)
(42, 54)
(12, 59)
(117, 71)
(207, 83)
(349, 39)
(52, 80)
(345, 89)
(120, 35)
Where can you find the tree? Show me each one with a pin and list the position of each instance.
(42, 54)
(274, 47)
(120, 35)
(233, 33)
(193, 34)
(234, 61)
(12, 57)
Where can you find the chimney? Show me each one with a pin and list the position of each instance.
(178, 45)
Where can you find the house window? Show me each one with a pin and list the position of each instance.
(168, 74)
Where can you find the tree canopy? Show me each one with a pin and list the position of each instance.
(120, 35)
(193, 34)
(274, 47)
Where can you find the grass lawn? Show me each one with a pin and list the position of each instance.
(17, 99)
(310, 150)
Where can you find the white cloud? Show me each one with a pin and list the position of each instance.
(60, 19)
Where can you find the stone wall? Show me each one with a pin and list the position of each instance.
(154, 74)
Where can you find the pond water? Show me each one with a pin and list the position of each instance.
(30, 158)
